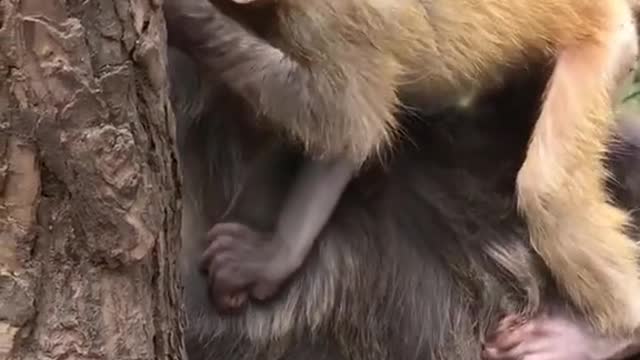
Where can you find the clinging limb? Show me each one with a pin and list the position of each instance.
(242, 262)
(561, 185)
(327, 73)
(342, 118)
(554, 336)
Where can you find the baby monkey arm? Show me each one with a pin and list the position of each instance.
(242, 262)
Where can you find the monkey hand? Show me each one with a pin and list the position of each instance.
(240, 262)
(550, 337)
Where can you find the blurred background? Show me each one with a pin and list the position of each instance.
(631, 100)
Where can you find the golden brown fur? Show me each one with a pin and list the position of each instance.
(330, 74)
(396, 43)
(457, 46)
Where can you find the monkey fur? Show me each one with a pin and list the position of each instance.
(554, 334)
(423, 255)
(330, 74)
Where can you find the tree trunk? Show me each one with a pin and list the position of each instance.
(89, 211)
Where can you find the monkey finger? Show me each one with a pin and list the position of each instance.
(509, 339)
(495, 354)
(229, 228)
(531, 344)
(509, 322)
(205, 259)
(504, 325)
(218, 246)
(518, 352)
(223, 265)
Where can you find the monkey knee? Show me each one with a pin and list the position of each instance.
(549, 191)
(536, 188)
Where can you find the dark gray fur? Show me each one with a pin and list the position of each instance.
(421, 256)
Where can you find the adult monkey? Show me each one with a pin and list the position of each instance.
(328, 74)
(417, 263)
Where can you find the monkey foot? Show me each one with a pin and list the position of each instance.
(240, 262)
(550, 337)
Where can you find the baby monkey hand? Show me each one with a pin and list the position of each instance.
(241, 262)
(553, 336)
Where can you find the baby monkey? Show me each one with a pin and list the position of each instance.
(330, 74)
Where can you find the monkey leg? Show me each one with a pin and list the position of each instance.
(551, 337)
(240, 260)
(561, 185)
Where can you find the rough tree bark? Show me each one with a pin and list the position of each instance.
(89, 211)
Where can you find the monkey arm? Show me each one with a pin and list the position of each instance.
(240, 261)
(337, 105)
(308, 207)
